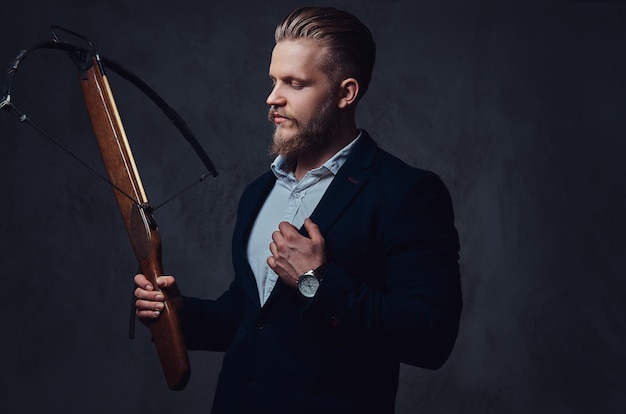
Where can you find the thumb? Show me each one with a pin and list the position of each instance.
(313, 230)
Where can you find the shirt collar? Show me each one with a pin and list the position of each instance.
(283, 167)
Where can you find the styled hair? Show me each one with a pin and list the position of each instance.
(351, 50)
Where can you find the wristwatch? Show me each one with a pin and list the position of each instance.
(309, 282)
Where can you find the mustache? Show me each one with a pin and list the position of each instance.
(275, 111)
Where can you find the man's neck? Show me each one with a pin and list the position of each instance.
(317, 157)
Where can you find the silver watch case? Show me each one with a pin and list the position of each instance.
(308, 283)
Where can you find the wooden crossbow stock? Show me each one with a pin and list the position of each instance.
(124, 178)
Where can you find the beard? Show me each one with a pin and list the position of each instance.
(309, 135)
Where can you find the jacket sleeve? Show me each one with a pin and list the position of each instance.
(413, 313)
(211, 324)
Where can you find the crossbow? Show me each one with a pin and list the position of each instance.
(123, 176)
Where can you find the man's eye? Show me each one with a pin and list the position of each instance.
(297, 85)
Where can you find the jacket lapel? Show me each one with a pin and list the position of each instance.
(254, 198)
(348, 182)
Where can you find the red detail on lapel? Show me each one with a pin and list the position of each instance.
(352, 180)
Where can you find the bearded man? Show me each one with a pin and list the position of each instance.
(345, 257)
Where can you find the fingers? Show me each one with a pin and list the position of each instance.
(277, 261)
(293, 253)
(149, 303)
(147, 310)
(142, 281)
(287, 228)
(285, 271)
(164, 282)
(314, 231)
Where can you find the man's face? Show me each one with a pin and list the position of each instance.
(302, 105)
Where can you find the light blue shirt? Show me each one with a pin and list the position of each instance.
(292, 201)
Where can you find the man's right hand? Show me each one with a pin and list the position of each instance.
(150, 301)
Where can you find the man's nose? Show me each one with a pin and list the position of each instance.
(275, 98)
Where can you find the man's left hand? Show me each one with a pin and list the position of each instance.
(294, 254)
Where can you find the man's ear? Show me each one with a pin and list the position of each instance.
(349, 90)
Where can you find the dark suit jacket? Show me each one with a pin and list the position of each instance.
(391, 294)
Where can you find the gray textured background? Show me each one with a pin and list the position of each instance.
(519, 107)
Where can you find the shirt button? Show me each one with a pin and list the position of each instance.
(296, 195)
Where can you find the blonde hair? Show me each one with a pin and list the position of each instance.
(351, 50)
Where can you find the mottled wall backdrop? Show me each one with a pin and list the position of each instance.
(519, 107)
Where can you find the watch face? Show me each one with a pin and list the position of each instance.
(307, 285)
